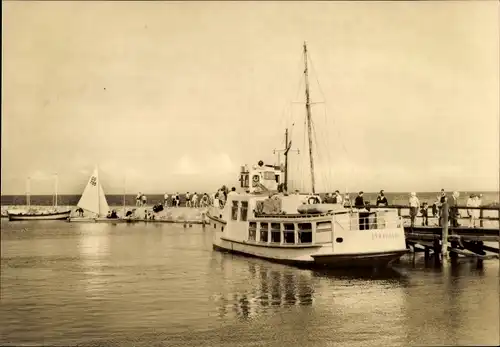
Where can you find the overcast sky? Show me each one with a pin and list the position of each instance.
(176, 96)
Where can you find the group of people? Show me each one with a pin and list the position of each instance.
(474, 200)
(192, 200)
(141, 200)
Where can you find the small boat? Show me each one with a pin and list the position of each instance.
(50, 213)
(93, 201)
(263, 220)
(38, 215)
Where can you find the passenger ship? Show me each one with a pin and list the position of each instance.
(264, 221)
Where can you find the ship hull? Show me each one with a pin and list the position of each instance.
(328, 261)
(39, 216)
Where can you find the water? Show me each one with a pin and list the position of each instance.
(162, 285)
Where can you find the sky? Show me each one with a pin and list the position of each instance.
(176, 96)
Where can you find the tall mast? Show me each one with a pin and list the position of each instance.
(124, 193)
(55, 200)
(28, 188)
(285, 186)
(308, 109)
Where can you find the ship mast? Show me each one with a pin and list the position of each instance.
(288, 148)
(308, 109)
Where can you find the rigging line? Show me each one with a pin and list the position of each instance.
(303, 187)
(283, 116)
(323, 95)
(327, 138)
(326, 178)
(316, 76)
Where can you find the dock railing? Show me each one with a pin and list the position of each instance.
(489, 216)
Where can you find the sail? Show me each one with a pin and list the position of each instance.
(103, 204)
(93, 198)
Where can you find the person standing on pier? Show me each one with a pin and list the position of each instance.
(165, 200)
(454, 215)
(195, 200)
(414, 206)
(476, 213)
(144, 200)
(425, 214)
(138, 199)
(381, 199)
(470, 212)
(442, 199)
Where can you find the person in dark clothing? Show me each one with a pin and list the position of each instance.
(381, 199)
(425, 214)
(359, 203)
(443, 197)
(435, 209)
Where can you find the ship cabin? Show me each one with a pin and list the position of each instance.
(240, 221)
(261, 177)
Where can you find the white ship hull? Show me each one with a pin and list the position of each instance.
(336, 239)
(19, 216)
(321, 256)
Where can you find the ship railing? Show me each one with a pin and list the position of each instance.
(372, 221)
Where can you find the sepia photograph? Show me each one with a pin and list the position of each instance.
(250, 173)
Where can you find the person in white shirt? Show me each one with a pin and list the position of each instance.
(476, 213)
(138, 199)
(338, 198)
(165, 200)
(195, 200)
(414, 207)
(470, 212)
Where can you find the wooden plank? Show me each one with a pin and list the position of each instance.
(431, 236)
(471, 254)
(491, 249)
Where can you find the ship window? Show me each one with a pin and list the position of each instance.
(252, 231)
(305, 233)
(264, 228)
(275, 233)
(244, 210)
(288, 233)
(269, 175)
(323, 227)
(234, 211)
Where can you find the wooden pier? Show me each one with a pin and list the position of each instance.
(461, 240)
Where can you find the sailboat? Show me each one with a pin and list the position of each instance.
(263, 220)
(39, 214)
(93, 200)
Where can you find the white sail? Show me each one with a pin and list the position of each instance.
(93, 198)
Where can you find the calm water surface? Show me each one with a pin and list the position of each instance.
(162, 285)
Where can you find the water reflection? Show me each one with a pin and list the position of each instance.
(450, 301)
(266, 286)
(94, 250)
